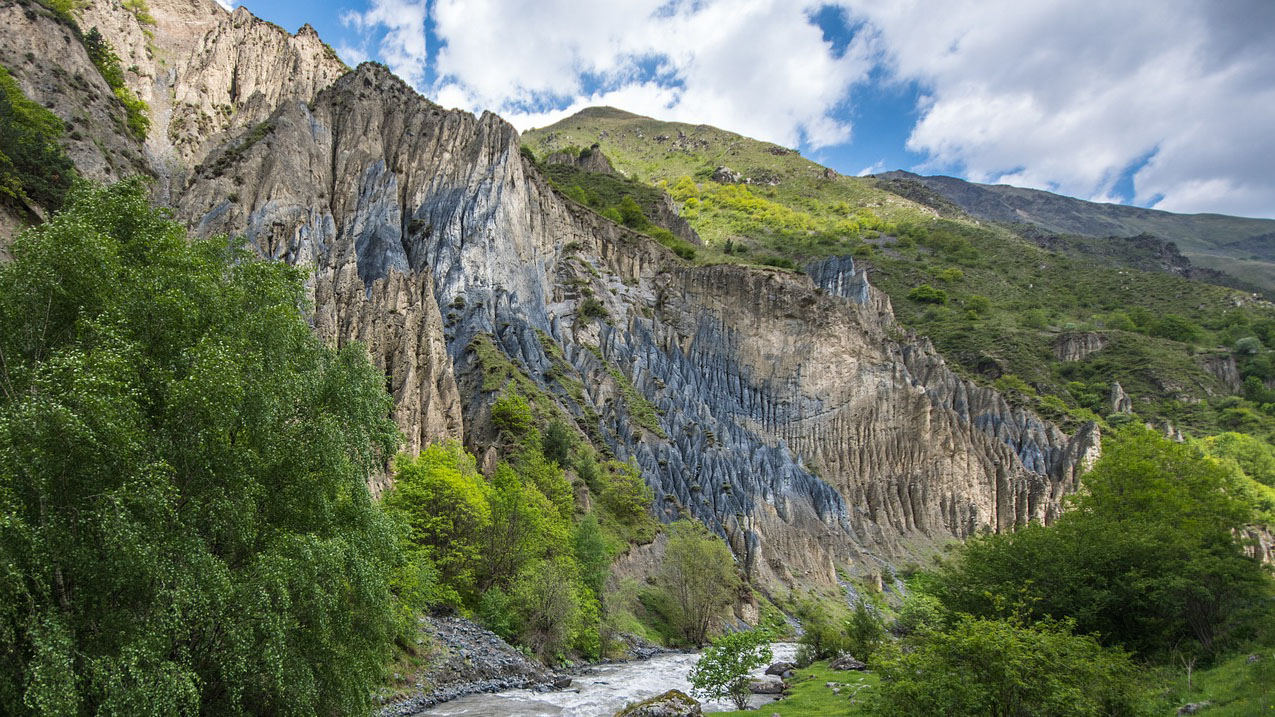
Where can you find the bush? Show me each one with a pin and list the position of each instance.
(1005, 667)
(822, 636)
(108, 64)
(926, 294)
(511, 415)
(556, 443)
(865, 631)
(1175, 328)
(591, 308)
(723, 670)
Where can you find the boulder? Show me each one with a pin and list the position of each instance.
(847, 663)
(766, 687)
(673, 703)
(1194, 707)
(726, 175)
(779, 668)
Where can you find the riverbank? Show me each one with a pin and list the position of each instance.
(601, 689)
(457, 657)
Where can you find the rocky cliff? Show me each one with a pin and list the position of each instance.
(788, 411)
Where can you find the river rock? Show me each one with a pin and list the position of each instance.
(780, 668)
(766, 687)
(847, 662)
(673, 703)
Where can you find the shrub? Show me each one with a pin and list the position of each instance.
(926, 294)
(592, 308)
(33, 166)
(1005, 667)
(511, 415)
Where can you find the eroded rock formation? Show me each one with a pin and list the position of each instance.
(786, 411)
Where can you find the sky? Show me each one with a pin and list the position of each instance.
(1159, 103)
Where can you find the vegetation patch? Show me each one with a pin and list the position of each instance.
(33, 167)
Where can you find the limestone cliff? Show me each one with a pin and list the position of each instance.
(788, 411)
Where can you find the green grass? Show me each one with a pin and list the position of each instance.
(810, 696)
(1235, 687)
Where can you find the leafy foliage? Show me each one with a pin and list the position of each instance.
(698, 575)
(1005, 668)
(723, 670)
(107, 62)
(33, 166)
(183, 466)
(1146, 557)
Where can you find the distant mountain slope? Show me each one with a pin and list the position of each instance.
(1239, 246)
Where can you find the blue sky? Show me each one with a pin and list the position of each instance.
(1165, 103)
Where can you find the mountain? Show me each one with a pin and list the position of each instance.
(1238, 246)
(834, 377)
(789, 412)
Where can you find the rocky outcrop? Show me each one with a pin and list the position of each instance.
(51, 66)
(465, 659)
(779, 412)
(673, 703)
(589, 160)
(1222, 366)
(1076, 346)
(1118, 401)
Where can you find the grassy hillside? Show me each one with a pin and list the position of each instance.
(995, 304)
(1239, 246)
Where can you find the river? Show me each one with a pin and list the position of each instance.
(602, 692)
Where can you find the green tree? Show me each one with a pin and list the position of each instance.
(1146, 555)
(443, 500)
(186, 522)
(724, 668)
(631, 214)
(1004, 668)
(511, 415)
(556, 443)
(524, 526)
(548, 601)
(821, 633)
(865, 631)
(698, 574)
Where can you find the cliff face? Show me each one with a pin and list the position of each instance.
(787, 411)
(778, 411)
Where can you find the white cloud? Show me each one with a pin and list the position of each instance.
(403, 46)
(353, 56)
(1068, 95)
(758, 67)
(875, 168)
(227, 6)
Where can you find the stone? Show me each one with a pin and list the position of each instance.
(846, 662)
(1118, 401)
(766, 687)
(673, 703)
(779, 668)
(726, 175)
(1194, 707)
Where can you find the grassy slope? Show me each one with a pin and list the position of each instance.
(1002, 315)
(810, 695)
